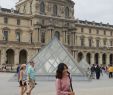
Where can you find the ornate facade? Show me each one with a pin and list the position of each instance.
(24, 31)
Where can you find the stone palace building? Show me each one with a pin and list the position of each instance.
(24, 31)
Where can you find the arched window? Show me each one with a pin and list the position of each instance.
(42, 7)
(66, 12)
(55, 10)
(57, 34)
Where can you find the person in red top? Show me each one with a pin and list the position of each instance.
(63, 83)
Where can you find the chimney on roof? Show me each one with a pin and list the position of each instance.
(101, 23)
(12, 10)
(93, 22)
(107, 23)
(86, 22)
(77, 20)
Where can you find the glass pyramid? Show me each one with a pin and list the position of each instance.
(85, 66)
(51, 55)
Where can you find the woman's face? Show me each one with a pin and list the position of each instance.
(65, 70)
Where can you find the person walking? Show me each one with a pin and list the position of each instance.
(63, 81)
(110, 70)
(31, 77)
(22, 79)
(98, 71)
(18, 71)
(93, 71)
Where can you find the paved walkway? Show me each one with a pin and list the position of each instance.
(104, 86)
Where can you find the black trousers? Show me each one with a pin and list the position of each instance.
(110, 75)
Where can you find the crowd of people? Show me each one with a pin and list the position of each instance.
(97, 70)
(26, 79)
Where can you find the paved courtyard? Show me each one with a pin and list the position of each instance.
(104, 86)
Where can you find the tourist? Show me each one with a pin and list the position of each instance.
(18, 71)
(22, 79)
(110, 70)
(98, 71)
(31, 77)
(63, 81)
(93, 71)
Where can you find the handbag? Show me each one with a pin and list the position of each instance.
(71, 86)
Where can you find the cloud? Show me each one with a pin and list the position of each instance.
(94, 10)
(8, 3)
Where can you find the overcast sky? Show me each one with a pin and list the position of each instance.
(91, 10)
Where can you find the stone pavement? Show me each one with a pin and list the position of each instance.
(104, 86)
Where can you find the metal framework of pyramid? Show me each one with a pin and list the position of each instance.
(47, 60)
(85, 66)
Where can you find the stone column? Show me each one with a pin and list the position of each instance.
(73, 53)
(76, 55)
(48, 35)
(3, 56)
(92, 58)
(16, 58)
(37, 34)
(107, 59)
(63, 32)
(66, 38)
(100, 59)
(84, 55)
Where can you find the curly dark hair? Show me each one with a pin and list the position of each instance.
(60, 68)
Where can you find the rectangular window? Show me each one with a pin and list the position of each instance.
(111, 43)
(97, 31)
(18, 21)
(43, 37)
(5, 20)
(97, 43)
(18, 36)
(104, 32)
(90, 43)
(90, 30)
(82, 41)
(82, 29)
(111, 33)
(6, 35)
(31, 22)
(104, 42)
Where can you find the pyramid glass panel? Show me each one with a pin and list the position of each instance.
(85, 66)
(54, 53)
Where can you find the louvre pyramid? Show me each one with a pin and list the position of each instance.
(51, 55)
(85, 66)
